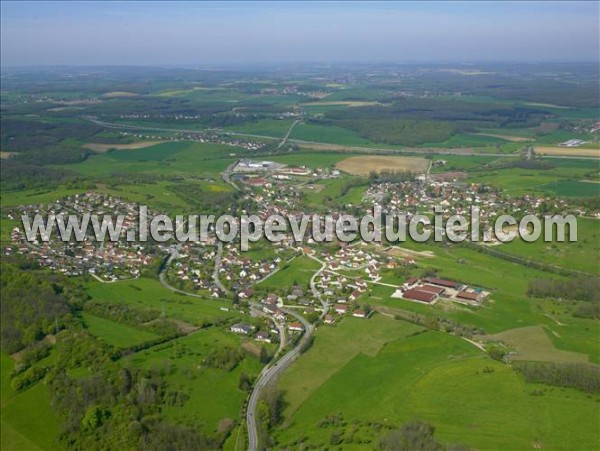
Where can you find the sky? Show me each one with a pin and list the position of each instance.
(237, 33)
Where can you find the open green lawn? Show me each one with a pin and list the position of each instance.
(265, 127)
(149, 293)
(517, 182)
(114, 333)
(299, 271)
(27, 419)
(582, 255)
(467, 140)
(154, 153)
(334, 347)
(440, 379)
(507, 307)
(327, 134)
(573, 188)
(213, 393)
(533, 343)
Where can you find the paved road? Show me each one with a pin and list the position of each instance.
(215, 274)
(226, 175)
(332, 147)
(161, 276)
(287, 135)
(269, 374)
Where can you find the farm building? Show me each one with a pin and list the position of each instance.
(432, 289)
(442, 282)
(468, 295)
(419, 295)
(409, 283)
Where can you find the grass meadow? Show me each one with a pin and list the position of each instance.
(441, 379)
(114, 333)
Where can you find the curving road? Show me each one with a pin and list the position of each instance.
(269, 374)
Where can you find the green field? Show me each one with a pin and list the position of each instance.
(507, 306)
(114, 333)
(579, 255)
(445, 381)
(149, 293)
(213, 393)
(264, 127)
(573, 188)
(299, 271)
(327, 134)
(27, 419)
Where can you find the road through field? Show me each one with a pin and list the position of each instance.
(316, 145)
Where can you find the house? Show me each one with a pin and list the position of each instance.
(262, 336)
(279, 315)
(359, 313)
(240, 328)
(340, 308)
(354, 295)
(245, 293)
(295, 327)
(419, 295)
(271, 299)
(269, 309)
(329, 319)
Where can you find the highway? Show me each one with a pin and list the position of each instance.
(316, 145)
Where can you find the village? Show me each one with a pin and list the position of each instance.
(107, 261)
(348, 271)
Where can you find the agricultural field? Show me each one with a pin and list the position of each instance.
(203, 385)
(297, 272)
(446, 381)
(567, 151)
(577, 255)
(366, 165)
(27, 419)
(138, 363)
(144, 293)
(114, 333)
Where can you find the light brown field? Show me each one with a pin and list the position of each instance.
(567, 151)
(102, 148)
(5, 155)
(342, 102)
(533, 343)
(519, 139)
(366, 165)
(548, 105)
(110, 95)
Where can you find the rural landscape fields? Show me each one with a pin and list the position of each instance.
(301, 345)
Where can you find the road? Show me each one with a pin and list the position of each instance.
(327, 146)
(287, 135)
(269, 374)
(215, 274)
(226, 175)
